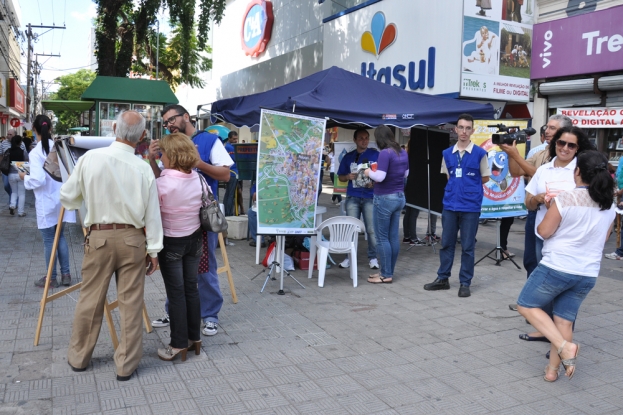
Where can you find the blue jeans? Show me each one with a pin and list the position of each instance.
(7, 185)
(452, 221)
(529, 254)
(210, 295)
(253, 225)
(62, 251)
(548, 286)
(355, 206)
(387, 210)
(230, 195)
(179, 261)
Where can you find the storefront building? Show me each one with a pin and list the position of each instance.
(12, 102)
(446, 47)
(578, 70)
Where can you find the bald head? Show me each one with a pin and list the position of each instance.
(10, 133)
(129, 126)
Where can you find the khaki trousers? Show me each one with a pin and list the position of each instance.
(122, 252)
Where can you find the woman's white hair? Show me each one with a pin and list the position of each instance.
(130, 126)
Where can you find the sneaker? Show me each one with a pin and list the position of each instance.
(438, 284)
(210, 329)
(417, 242)
(11, 210)
(345, 263)
(41, 283)
(161, 322)
(613, 256)
(21, 215)
(406, 241)
(374, 264)
(66, 279)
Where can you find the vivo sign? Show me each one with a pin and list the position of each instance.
(584, 44)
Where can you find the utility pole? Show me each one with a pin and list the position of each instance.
(32, 36)
(29, 35)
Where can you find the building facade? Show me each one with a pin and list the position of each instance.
(578, 68)
(12, 97)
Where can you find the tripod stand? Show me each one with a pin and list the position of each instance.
(276, 266)
(500, 255)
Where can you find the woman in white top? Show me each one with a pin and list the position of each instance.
(47, 202)
(570, 265)
(551, 178)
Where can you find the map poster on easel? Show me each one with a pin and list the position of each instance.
(288, 172)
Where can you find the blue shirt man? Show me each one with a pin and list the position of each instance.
(214, 166)
(359, 194)
(467, 169)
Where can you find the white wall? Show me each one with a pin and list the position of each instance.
(420, 25)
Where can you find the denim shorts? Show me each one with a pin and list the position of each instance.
(565, 291)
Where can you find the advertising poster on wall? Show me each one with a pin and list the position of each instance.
(503, 195)
(288, 172)
(341, 149)
(599, 117)
(496, 50)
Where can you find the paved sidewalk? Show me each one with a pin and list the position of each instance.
(374, 349)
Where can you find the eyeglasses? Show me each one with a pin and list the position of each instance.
(461, 128)
(171, 120)
(562, 143)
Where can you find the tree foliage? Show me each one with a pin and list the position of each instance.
(71, 88)
(170, 56)
(125, 28)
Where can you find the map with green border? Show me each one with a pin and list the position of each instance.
(290, 149)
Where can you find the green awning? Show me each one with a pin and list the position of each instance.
(110, 88)
(60, 105)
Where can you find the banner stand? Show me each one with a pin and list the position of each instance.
(500, 255)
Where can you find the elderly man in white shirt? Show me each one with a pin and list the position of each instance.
(125, 233)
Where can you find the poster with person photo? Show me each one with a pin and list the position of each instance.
(496, 51)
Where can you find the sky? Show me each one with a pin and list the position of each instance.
(71, 43)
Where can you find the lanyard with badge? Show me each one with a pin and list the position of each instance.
(458, 172)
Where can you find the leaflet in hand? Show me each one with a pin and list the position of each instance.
(361, 180)
(22, 166)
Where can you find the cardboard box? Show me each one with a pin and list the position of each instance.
(237, 227)
(301, 260)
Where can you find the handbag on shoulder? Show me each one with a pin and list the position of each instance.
(5, 164)
(210, 214)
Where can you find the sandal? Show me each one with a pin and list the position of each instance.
(568, 363)
(551, 368)
(377, 279)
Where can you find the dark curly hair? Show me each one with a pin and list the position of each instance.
(583, 142)
(594, 172)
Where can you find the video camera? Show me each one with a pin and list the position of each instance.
(520, 136)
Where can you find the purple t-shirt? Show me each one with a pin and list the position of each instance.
(395, 166)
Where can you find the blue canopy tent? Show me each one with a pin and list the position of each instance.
(348, 98)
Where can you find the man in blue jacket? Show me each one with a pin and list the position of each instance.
(467, 168)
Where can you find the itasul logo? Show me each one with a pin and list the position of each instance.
(381, 36)
(548, 36)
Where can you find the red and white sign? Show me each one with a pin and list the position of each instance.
(257, 27)
(15, 122)
(17, 98)
(594, 117)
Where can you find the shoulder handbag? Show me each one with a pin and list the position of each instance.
(5, 164)
(211, 217)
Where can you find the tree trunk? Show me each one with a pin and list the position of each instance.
(106, 35)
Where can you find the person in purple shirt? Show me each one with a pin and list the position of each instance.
(389, 199)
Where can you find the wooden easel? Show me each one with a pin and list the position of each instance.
(47, 299)
(226, 268)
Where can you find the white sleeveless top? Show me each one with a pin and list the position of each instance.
(577, 245)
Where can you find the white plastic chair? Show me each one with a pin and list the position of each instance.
(343, 236)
